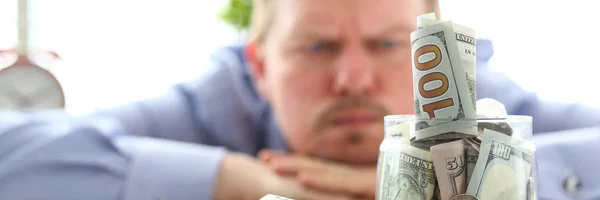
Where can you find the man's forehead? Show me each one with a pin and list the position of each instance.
(367, 17)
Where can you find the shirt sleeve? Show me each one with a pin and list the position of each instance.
(91, 158)
(168, 116)
(567, 163)
(220, 108)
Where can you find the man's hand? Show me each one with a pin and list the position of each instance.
(322, 175)
(242, 177)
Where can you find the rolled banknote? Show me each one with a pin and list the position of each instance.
(466, 42)
(503, 168)
(444, 82)
(405, 173)
(450, 168)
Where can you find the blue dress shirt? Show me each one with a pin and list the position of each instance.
(170, 147)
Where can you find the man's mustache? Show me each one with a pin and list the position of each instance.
(347, 103)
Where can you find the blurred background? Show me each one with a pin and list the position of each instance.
(118, 51)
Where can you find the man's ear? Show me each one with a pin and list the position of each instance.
(258, 69)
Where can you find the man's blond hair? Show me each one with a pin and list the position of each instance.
(263, 14)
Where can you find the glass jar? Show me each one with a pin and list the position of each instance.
(496, 161)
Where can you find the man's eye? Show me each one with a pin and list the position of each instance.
(318, 47)
(387, 44)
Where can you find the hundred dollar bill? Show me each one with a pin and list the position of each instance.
(466, 42)
(450, 168)
(405, 173)
(444, 99)
(503, 168)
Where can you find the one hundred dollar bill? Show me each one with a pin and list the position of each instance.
(406, 173)
(450, 168)
(465, 40)
(443, 79)
(502, 169)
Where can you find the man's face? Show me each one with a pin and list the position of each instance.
(331, 69)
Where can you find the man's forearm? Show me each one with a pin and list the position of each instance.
(238, 178)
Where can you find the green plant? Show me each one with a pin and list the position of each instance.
(237, 13)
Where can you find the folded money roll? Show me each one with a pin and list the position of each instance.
(444, 80)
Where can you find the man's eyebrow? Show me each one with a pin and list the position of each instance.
(305, 35)
(398, 28)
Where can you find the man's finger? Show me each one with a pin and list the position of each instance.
(291, 188)
(340, 180)
(266, 155)
(288, 165)
(292, 164)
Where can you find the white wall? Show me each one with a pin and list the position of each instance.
(548, 46)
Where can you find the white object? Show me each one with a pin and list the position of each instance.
(491, 108)
(27, 87)
(274, 197)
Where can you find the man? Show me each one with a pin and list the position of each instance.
(306, 95)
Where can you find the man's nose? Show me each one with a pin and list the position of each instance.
(355, 73)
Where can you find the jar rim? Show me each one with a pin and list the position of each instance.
(412, 117)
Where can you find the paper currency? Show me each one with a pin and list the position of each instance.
(406, 173)
(501, 127)
(531, 189)
(502, 170)
(490, 108)
(474, 143)
(443, 61)
(426, 20)
(427, 143)
(450, 168)
(465, 38)
(401, 129)
(472, 153)
(274, 197)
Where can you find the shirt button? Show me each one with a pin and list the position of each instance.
(571, 185)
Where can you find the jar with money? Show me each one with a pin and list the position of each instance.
(496, 162)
